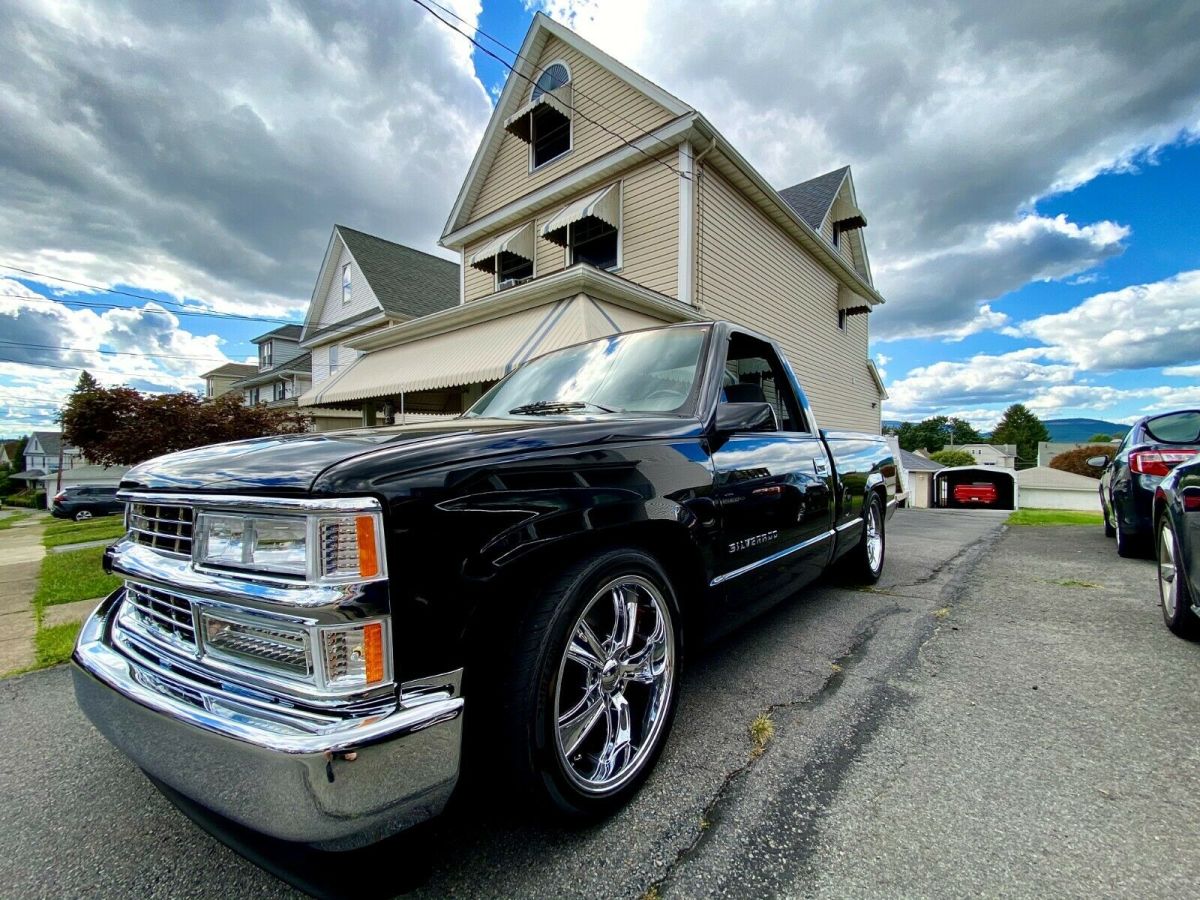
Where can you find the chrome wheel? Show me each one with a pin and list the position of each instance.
(82, 516)
(1168, 573)
(615, 683)
(874, 538)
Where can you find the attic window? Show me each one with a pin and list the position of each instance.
(544, 123)
(346, 285)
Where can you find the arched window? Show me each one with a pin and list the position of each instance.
(553, 77)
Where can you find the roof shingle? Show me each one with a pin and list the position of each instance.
(812, 199)
(406, 282)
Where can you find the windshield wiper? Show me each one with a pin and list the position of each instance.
(548, 407)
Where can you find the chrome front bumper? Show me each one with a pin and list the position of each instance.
(343, 785)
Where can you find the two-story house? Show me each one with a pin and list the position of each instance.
(367, 284)
(45, 451)
(221, 380)
(598, 202)
(1003, 456)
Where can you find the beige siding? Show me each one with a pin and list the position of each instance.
(650, 228)
(476, 283)
(598, 95)
(752, 273)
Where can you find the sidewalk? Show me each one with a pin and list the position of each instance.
(21, 553)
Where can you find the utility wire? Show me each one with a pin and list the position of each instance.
(569, 106)
(115, 352)
(541, 71)
(92, 304)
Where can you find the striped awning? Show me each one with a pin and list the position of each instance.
(604, 205)
(518, 242)
(520, 123)
(486, 351)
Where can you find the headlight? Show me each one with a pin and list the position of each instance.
(317, 548)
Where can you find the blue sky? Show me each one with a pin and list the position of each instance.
(1030, 173)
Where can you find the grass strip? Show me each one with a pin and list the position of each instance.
(74, 575)
(10, 520)
(55, 644)
(59, 533)
(1038, 517)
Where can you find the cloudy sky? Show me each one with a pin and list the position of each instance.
(1030, 172)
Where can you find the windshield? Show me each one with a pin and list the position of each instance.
(1175, 428)
(640, 372)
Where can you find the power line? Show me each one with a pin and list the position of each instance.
(569, 106)
(115, 352)
(575, 90)
(92, 304)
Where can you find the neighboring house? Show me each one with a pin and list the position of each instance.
(597, 202)
(367, 284)
(1046, 488)
(221, 380)
(918, 479)
(42, 453)
(1047, 450)
(1002, 455)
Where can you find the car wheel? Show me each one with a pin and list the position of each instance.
(83, 515)
(1109, 531)
(594, 682)
(864, 564)
(1128, 545)
(1173, 588)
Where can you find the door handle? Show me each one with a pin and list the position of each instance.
(821, 466)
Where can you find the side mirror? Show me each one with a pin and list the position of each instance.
(733, 417)
(1097, 462)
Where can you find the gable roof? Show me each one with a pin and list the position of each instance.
(50, 442)
(813, 199)
(407, 283)
(297, 365)
(232, 370)
(915, 463)
(524, 73)
(286, 332)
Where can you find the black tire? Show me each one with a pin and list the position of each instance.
(1128, 546)
(539, 675)
(83, 515)
(863, 565)
(1109, 531)
(1174, 594)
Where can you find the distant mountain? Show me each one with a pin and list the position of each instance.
(1072, 431)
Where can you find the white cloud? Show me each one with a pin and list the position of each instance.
(1183, 371)
(984, 378)
(1137, 327)
(955, 117)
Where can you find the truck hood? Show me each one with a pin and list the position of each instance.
(355, 460)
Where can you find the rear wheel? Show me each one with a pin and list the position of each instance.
(1173, 588)
(864, 564)
(1128, 545)
(1109, 531)
(83, 515)
(594, 682)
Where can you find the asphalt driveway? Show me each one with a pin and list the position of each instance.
(1003, 714)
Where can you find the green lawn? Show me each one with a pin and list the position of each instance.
(12, 519)
(1055, 517)
(62, 532)
(54, 644)
(74, 575)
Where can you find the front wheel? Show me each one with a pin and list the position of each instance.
(595, 687)
(1173, 588)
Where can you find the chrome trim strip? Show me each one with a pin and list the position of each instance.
(892, 502)
(251, 503)
(720, 579)
(850, 524)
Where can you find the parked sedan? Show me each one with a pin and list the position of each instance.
(1150, 450)
(83, 501)
(1177, 509)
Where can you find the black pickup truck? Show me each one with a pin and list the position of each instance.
(306, 622)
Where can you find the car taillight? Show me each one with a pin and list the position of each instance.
(1158, 462)
(60, 496)
(1191, 500)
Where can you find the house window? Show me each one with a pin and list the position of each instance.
(841, 320)
(333, 359)
(252, 397)
(593, 241)
(552, 78)
(511, 267)
(279, 391)
(346, 285)
(265, 355)
(549, 129)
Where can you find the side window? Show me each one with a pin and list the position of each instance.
(755, 374)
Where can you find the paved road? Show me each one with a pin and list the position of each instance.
(911, 756)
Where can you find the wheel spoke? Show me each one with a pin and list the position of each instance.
(585, 648)
(619, 745)
(578, 723)
(625, 612)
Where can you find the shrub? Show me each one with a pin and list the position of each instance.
(28, 499)
(953, 458)
(1076, 460)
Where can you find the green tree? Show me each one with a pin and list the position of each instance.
(950, 457)
(1100, 439)
(928, 434)
(1021, 427)
(963, 432)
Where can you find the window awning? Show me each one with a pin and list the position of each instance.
(604, 205)
(518, 242)
(520, 123)
(486, 351)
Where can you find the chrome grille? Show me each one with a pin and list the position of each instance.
(162, 527)
(162, 614)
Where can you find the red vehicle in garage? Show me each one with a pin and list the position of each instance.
(981, 493)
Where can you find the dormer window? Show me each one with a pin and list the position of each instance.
(347, 293)
(264, 355)
(544, 123)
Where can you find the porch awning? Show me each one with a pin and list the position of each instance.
(604, 205)
(518, 242)
(520, 123)
(486, 351)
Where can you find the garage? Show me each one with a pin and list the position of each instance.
(1046, 488)
(975, 487)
